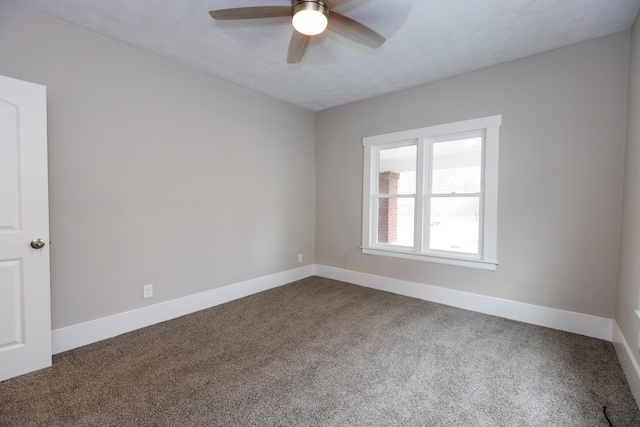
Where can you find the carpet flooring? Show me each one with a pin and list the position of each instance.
(319, 352)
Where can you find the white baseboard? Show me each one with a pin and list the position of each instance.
(583, 324)
(74, 336)
(628, 362)
(64, 339)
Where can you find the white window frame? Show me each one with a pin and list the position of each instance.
(486, 259)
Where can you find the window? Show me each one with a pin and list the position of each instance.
(430, 194)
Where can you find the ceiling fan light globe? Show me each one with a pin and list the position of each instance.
(309, 22)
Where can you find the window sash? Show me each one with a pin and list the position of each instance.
(429, 249)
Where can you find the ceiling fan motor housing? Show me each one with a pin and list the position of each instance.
(315, 5)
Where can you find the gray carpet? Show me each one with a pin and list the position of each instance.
(324, 353)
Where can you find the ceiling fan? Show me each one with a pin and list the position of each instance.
(309, 18)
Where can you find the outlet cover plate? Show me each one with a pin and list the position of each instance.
(147, 291)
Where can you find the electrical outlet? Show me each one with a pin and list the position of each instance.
(300, 257)
(147, 291)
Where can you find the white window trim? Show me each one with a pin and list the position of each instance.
(487, 260)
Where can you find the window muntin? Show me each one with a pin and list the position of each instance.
(444, 200)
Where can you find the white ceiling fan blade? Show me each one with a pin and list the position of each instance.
(256, 12)
(355, 31)
(297, 47)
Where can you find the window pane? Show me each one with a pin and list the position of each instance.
(396, 221)
(457, 166)
(398, 170)
(455, 224)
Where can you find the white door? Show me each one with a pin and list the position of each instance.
(25, 308)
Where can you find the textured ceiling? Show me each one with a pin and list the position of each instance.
(426, 40)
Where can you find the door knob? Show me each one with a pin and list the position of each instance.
(37, 244)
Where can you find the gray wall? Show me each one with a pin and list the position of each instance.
(628, 294)
(561, 173)
(158, 173)
(162, 174)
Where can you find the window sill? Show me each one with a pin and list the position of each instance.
(459, 262)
